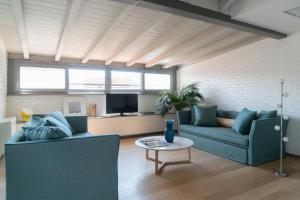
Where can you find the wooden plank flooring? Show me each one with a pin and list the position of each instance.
(209, 177)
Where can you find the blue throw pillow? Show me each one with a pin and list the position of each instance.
(267, 114)
(38, 128)
(54, 122)
(205, 115)
(60, 117)
(243, 121)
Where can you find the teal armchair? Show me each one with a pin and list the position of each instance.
(74, 168)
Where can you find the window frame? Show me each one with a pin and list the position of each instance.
(169, 72)
(14, 78)
(38, 91)
(85, 91)
(110, 90)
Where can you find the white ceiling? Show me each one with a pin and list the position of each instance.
(267, 13)
(109, 31)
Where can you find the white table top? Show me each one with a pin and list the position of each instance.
(178, 143)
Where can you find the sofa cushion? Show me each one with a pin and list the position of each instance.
(243, 121)
(54, 122)
(225, 122)
(43, 133)
(17, 137)
(205, 115)
(222, 134)
(38, 128)
(60, 117)
(267, 114)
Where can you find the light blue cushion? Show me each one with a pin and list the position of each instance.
(17, 137)
(205, 115)
(267, 114)
(60, 117)
(243, 121)
(54, 122)
(38, 128)
(43, 133)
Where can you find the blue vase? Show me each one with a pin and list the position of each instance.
(169, 132)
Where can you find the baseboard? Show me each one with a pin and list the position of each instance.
(293, 155)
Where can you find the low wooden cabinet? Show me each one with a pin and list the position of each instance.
(128, 125)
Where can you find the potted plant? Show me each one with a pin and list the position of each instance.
(177, 101)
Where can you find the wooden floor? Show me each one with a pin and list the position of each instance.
(209, 177)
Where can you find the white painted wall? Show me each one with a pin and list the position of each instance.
(48, 103)
(3, 78)
(250, 77)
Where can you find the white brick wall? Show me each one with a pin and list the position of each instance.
(48, 103)
(250, 77)
(3, 78)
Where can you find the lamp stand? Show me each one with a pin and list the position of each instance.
(280, 172)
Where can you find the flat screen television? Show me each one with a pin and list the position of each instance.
(121, 103)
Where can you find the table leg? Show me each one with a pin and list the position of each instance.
(156, 162)
(189, 153)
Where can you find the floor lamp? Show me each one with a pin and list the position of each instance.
(280, 172)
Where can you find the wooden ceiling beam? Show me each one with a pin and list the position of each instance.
(73, 11)
(181, 8)
(184, 28)
(132, 41)
(229, 48)
(20, 23)
(226, 41)
(104, 36)
(187, 46)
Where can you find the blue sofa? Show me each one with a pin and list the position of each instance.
(73, 168)
(261, 145)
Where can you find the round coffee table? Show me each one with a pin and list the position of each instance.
(178, 144)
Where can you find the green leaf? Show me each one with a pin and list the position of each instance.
(178, 101)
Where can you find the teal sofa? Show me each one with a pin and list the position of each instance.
(73, 168)
(260, 146)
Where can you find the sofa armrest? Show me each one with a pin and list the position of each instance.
(69, 168)
(183, 117)
(264, 141)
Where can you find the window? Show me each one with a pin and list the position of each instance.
(155, 81)
(37, 77)
(125, 80)
(86, 79)
(33, 78)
